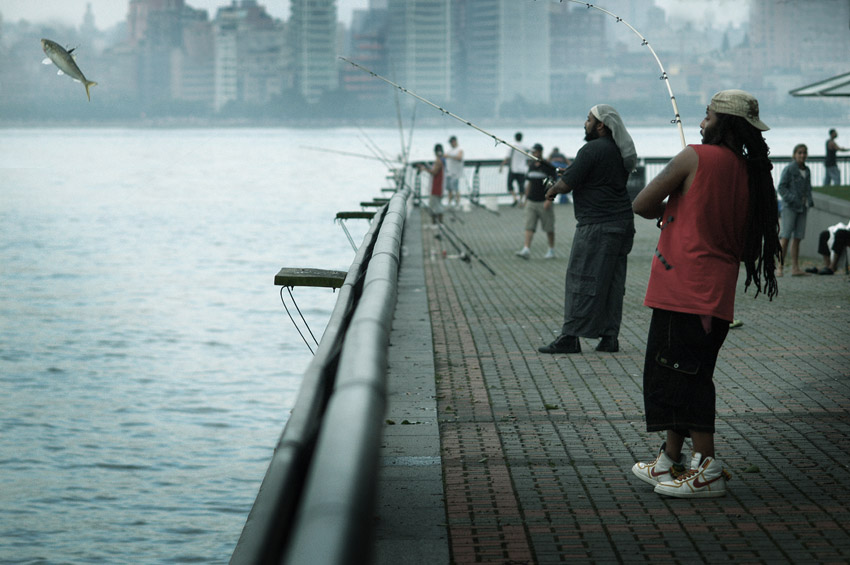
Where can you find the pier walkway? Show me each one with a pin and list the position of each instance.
(496, 453)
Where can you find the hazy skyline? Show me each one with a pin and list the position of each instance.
(109, 12)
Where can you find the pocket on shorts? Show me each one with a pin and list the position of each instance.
(683, 344)
(678, 361)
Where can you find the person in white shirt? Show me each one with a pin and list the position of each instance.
(518, 166)
(454, 171)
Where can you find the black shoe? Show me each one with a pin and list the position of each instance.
(826, 271)
(812, 270)
(608, 344)
(562, 344)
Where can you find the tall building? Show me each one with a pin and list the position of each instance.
(192, 67)
(313, 28)
(507, 53)
(420, 47)
(793, 34)
(251, 56)
(367, 47)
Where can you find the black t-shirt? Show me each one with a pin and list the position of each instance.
(535, 176)
(598, 178)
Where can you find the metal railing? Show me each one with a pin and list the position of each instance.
(482, 178)
(315, 503)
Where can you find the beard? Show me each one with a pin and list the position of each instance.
(591, 135)
(707, 134)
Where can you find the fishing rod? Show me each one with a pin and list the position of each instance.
(461, 254)
(360, 155)
(410, 137)
(678, 118)
(443, 110)
(468, 248)
(400, 125)
(375, 148)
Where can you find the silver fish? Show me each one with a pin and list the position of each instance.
(65, 61)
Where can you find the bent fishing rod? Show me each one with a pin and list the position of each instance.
(677, 117)
(443, 110)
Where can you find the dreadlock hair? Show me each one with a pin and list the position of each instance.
(761, 247)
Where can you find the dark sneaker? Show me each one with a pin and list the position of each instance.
(562, 344)
(608, 344)
(662, 469)
(706, 479)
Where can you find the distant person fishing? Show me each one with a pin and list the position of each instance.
(63, 59)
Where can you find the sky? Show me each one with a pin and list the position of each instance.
(109, 12)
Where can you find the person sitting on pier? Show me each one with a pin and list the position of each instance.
(832, 244)
(605, 229)
(693, 280)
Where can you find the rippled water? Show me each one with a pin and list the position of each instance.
(147, 367)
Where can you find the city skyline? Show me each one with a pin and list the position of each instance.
(485, 58)
(108, 13)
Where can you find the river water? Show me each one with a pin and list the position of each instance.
(147, 366)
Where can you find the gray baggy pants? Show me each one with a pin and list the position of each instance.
(596, 279)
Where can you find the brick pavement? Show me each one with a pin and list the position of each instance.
(536, 449)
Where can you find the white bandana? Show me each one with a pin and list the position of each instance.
(612, 120)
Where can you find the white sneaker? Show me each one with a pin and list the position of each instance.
(524, 253)
(706, 479)
(550, 254)
(660, 470)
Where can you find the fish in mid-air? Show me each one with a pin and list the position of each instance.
(65, 61)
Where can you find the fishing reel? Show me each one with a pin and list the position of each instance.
(552, 174)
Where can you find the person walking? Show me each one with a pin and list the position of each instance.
(596, 273)
(693, 279)
(538, 208)
(795, 189)
(833, 175)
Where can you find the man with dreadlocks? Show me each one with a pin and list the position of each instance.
(721, 210)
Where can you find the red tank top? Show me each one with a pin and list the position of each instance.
(437, 181)
(696, 263)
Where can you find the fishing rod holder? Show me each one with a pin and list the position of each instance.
(320, 278)
(289, 278)
(359, 215)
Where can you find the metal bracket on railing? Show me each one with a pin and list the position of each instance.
(288, 278)
(342, 216)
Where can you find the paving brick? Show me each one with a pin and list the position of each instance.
(536, 449)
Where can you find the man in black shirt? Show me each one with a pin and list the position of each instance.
(537, 206)
(596, 274)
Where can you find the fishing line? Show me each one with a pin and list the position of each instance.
(677, 117)
(360, 155)
(410, 137)
(443, 110)
(294, 323)
(374, 148)
(400, 125)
